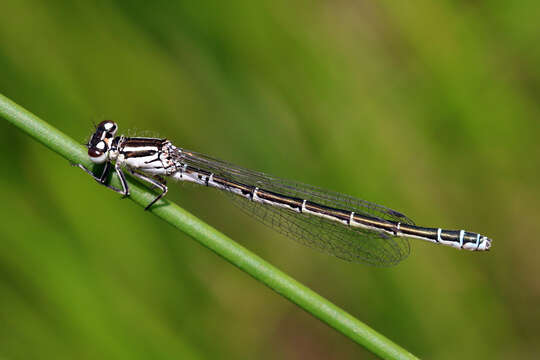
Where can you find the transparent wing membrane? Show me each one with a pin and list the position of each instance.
(350, 244)
(347, 243)
(291, 188)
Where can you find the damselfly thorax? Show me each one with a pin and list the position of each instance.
(349, 228)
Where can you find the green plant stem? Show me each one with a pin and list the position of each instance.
(213, 239)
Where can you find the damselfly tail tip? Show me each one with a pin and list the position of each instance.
(487, 243)
(480, 243)
(484, 244)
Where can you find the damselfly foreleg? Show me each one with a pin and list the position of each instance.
(102, 179)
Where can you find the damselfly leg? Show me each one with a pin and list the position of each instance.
(158, 182)
(102, 179)
(155, 182)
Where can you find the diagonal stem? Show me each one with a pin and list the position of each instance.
(236, 254)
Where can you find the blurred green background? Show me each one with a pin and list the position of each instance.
(430, 108)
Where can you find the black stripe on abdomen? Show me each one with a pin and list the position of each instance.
(272, 197)
(342, 216)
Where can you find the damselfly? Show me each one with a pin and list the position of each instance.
(351, 229)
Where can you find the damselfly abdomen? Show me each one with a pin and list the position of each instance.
(351, 229)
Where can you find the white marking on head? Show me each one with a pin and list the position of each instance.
(461, 234)
(102, 146)
(439, 239)
(109, 125)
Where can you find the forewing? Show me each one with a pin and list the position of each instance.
(347, 243)
(350, 244)
(290, 188)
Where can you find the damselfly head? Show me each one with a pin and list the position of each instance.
(100, 143)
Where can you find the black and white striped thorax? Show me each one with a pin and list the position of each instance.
(349, 228)
(149, 155)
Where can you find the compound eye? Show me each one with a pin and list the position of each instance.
(97, 156)
(94, 153)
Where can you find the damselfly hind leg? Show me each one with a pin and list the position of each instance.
(160, 185)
